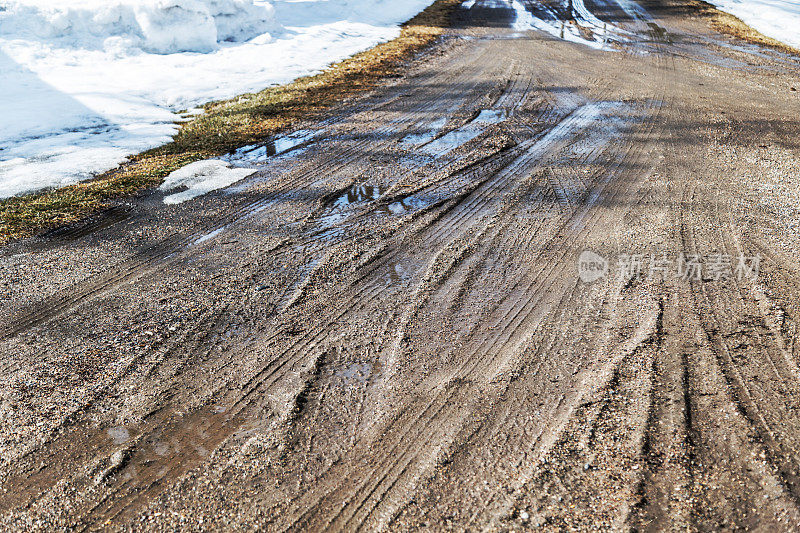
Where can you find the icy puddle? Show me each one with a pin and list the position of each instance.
(450, 141)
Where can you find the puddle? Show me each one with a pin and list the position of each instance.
(414, 160)
(357, 373)
(161, 449)
(450, 141)
(334, 219)
(490, 116)
(416, 139)
(331, 234)
(282, 145)
(119, 435)
(358, 194)
(339, 210)
(258, 154)
(406, 205)
(397, 274)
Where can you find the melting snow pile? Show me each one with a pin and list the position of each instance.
(200, 178)
(779, 19)
(86, 83)
(157, 26)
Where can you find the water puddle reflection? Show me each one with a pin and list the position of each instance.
(358, 194)
(341, 209)
(406, 205)
(119, 435)
(416, 139)
(259, 154)
(452, 140)
(356, 373)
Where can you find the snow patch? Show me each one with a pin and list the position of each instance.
(779, 19)
(200, 178)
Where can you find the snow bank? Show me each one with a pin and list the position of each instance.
(372, 12)
(86, 83)
(779, 19)
(157, 26)
(200, 178)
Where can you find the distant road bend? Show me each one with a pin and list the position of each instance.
(548, 278)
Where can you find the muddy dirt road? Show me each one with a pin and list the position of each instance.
(388, 327)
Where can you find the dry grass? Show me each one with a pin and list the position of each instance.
(726, 23)
(226, 126)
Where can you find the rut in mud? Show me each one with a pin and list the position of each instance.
(385, 327)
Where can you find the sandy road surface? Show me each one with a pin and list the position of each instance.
(386, 328)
